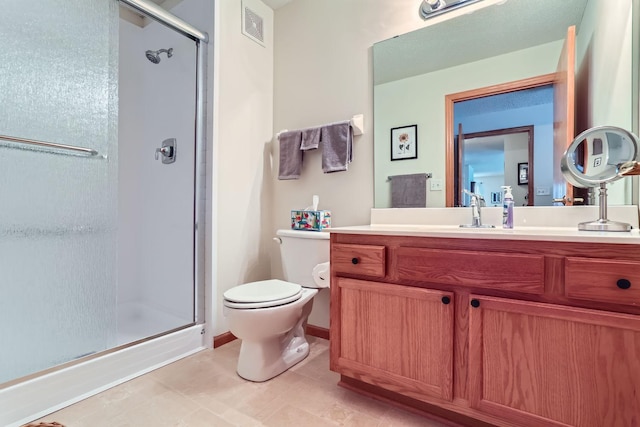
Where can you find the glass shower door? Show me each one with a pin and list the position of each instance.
(58, 205)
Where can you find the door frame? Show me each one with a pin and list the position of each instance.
(451, 99)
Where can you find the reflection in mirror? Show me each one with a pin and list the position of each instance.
(597, 157)
(517, 40)
(487, 161)
(523, 120)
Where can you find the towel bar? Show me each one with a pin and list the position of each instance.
(87, 151)
(356, 122)
(428, 174)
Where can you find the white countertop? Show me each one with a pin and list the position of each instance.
(557, 234)
(559, 224)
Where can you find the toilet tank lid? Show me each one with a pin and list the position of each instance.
(301, 234)
(262, 291)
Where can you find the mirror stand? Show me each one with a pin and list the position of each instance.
(596, 157)
(602, 223)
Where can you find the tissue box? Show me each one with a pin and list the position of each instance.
(310, 220)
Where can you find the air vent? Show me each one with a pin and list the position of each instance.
(252, 25)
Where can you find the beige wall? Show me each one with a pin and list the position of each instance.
(323, 74)
(321, 71)
(243, 112)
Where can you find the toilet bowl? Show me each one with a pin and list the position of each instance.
(269, 316)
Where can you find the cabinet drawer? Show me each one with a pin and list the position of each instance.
(366, 260)
(603, 280)
(493, 270)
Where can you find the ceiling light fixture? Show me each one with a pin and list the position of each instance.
(431, 8)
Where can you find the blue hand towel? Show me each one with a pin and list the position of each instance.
(290, 155)
(337, 141)
(310, 139)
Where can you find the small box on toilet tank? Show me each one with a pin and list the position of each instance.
(310, 220)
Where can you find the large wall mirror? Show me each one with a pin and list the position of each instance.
(462, 86)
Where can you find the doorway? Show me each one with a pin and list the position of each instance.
(519, 104)
(487, 161)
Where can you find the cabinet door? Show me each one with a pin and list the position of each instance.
(396, 337)
(543, 365)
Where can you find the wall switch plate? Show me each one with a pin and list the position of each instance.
(436, 185)
(543, 191)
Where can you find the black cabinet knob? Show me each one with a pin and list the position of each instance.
(354, 261)
(623, 283)
(446, 300)
(475, 303)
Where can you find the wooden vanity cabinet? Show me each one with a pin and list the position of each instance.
(387, 332)
(443, 327)
(541, 364)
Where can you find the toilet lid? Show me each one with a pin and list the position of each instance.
(271, 291)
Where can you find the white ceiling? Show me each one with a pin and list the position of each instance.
(494, 30)
(276, 4)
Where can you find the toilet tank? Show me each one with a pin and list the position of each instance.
(300, 251)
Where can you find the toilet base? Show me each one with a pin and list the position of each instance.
(261, 361)
(267, 350)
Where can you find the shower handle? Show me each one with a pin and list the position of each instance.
(168, 151)
(165, 151)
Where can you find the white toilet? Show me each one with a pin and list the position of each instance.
(269, 316)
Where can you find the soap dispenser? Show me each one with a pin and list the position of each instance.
(507, 207)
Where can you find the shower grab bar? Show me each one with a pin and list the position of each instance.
(87, 151)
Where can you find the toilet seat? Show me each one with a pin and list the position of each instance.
(262, 294)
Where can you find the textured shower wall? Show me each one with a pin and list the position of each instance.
(156, 200)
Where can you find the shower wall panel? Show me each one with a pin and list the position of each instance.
(156, 209)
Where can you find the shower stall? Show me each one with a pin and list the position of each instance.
(102, 187)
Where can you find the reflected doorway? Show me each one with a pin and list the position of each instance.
(487, 161)
(492, 113)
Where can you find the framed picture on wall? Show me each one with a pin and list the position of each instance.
(404, 142)
(523, 173)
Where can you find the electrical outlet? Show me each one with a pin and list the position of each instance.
(436, 185)
(543, 191)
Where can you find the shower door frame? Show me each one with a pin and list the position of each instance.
(166, 18)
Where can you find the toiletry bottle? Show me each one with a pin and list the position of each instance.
(507, 207)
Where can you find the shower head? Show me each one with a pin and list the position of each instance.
(154, 55)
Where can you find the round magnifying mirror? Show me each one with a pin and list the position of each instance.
(597, 154)
(596, 157)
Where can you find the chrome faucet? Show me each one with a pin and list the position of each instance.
(477, 203)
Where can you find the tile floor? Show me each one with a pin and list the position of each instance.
(204, 390)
